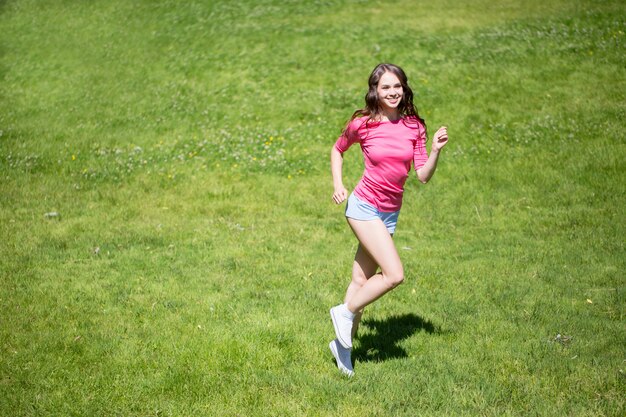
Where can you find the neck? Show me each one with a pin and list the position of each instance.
(389, 115)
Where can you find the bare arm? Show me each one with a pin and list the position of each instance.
(425, 173)
(336, 165)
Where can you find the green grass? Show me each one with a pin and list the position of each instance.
(197, 251)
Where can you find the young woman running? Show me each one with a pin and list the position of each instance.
(391, 135)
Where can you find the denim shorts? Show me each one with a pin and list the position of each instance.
(358, 209)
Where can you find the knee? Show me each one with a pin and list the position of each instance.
(358, 278)
(357, 282)
(394, 278)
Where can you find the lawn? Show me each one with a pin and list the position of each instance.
(169, 245)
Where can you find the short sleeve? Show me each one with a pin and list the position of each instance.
(350, 136)
(420, 156)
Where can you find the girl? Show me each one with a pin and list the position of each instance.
(391, 135)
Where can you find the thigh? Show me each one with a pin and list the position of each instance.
(364, 266)
(375, 239)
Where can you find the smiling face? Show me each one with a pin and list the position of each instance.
(389, 92)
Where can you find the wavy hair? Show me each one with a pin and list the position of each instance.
(373, 108)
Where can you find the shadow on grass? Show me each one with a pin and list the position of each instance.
(379, 339)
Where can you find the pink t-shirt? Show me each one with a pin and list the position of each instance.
(388, 149)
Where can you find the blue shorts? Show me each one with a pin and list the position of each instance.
(358, 209)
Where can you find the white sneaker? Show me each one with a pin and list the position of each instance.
(342, 356)
(342, 321)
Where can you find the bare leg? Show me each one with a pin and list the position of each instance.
(378, 244)
(364, 268)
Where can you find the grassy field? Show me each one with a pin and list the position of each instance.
(169, 245)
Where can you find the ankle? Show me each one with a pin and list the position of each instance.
(349, 312)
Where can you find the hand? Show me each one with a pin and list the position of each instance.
(440, 139)
(340, 195)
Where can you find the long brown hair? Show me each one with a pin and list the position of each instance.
(372, 107)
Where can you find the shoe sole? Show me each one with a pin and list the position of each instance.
(333, 350)
(342, 342)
